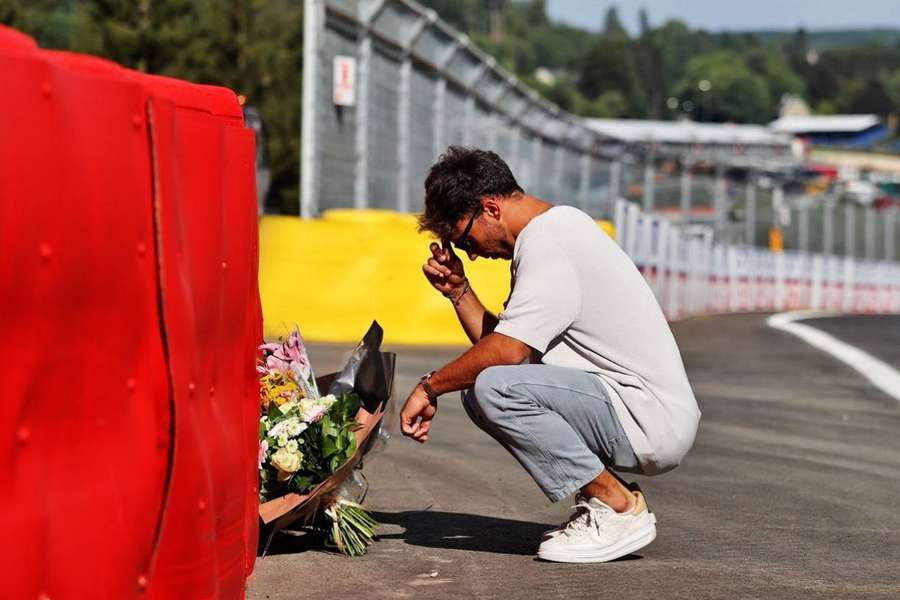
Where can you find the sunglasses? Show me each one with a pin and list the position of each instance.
(463, 243)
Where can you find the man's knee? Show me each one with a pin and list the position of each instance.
(486, 394)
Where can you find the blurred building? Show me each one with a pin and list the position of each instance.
(737, 144)
(850, 131)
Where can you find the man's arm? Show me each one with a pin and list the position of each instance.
(476, 320)
(491, 350)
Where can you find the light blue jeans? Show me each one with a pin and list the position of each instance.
(558, 423)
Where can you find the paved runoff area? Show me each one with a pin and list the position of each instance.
(792, 489)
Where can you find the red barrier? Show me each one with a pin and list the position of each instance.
(130, 315)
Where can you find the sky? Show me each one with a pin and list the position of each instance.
(734, 15)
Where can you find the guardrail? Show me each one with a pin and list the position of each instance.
(692, 274)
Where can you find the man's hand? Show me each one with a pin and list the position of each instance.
(416, 415)
(444, 270)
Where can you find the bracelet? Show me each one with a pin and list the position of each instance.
(456, 301)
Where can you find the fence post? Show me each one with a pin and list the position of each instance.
(779, 281)
(558, 170)
(440, 98)
(537, 151)
(849, 284)
(584, 182)
(890, 219)
(619, 221)
(828, 227)
(515, 142)
(871, 233)
(662, 248)
(719, 203)
(706, 272)
(368, 11)
(649, 184)
(818, 267)
(733, 292)
(685, 192)
(313, 18)
(361, 183)
(672, 300)
(404, 116)
(849, 230)
(631, 235)
(403, 145)
(803, 225)
(615, 175)
(750, 212)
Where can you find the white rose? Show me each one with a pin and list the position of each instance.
(286, 461)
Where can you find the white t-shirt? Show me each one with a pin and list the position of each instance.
(578, 300)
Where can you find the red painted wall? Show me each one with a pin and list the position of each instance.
(129, 319)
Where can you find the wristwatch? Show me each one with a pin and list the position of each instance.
(425, 382)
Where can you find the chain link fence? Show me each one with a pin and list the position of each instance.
(388, 86)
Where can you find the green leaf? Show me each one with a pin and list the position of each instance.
(328, 447)
(302, 482)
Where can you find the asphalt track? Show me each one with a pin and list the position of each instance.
(792, 490)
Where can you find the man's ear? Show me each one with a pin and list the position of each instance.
(492, 205)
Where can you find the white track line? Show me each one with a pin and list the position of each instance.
(883, 376)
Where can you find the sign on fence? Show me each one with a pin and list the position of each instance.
(344, 81)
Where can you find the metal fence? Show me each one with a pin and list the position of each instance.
(691, 273)
(415, 86)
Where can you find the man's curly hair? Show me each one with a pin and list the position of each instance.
(456, 184)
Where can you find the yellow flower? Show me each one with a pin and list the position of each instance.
(275, 387)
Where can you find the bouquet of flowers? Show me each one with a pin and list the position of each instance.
(310, 443)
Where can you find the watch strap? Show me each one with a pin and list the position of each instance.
(425, 382)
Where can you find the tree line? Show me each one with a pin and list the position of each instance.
(665, 71)
(672, 71)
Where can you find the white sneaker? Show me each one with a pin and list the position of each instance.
(597, 533)
(579, 500)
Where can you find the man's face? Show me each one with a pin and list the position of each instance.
(481, 234)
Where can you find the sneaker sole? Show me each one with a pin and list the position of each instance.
(635, 542)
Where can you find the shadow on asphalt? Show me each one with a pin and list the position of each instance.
(292, 542)
(435, 529)
(460, 531)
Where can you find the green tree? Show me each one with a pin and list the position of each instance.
(644, 21)
(722, 88)
(892, 85)
(253, 47)
(612, 25)
(609, 105)
(678, 45)
(866, 97)
(771, 65)
(610, 65)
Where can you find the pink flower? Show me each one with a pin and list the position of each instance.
(295, 352)
(263, 448)
(287, 357)
(314, 414)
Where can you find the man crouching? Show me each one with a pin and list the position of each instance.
(578, 377)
